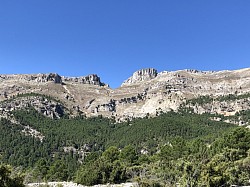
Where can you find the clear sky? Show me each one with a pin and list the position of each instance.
(114, 38)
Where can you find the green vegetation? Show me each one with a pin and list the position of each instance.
(9, 177)
(208, 99)
(184, 148)
(25, 95)
(200, 100)
(190, 163)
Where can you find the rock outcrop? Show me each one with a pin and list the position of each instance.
(54, 77)
(45, 106)
(141, 75)
(90, 79)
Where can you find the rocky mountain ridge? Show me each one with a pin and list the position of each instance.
(145, 93)
(53, 77)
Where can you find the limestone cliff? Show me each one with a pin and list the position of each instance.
(141, 75)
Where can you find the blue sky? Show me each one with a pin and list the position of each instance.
(114, 38)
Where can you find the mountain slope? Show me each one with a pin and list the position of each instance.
(145, 93)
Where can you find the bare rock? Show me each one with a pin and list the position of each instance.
(54, 77)
(92, 79)
(141, 75)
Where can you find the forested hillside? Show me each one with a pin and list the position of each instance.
(172, 148)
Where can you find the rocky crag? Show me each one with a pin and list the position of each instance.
(145, 93)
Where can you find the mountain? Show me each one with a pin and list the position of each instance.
(145, 93)
(157, 129)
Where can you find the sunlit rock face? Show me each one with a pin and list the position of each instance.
(141, 75)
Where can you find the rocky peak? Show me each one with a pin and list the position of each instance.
(55, 78)
(92, 79)
(141, 75)
(49, 77)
